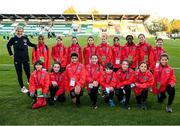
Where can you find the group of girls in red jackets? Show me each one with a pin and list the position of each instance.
(108, 70)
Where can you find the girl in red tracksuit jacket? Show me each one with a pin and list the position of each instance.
(89, 50)
(117, 54)
(125, 80)
(74, 48)
(59, 52)
(75, 77)
(39, 82)
(41, 52)
(104, 52)
(131, 52)
(143, 80)
(57, 87)
(144, 51)
(164, 81)
(93, 74)
(156, 52)
(108, 82)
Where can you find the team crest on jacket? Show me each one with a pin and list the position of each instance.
(43, 75)
(60, 78)
(134, 49)
(145, 48)
(167, 70)
(25, 40)
(78, 68)
(44, 49)
(145, 78)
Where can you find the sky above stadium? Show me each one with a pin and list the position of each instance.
(167, 8)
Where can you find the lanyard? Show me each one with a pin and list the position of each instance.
(118, 49)
(105, 50)
(159, 73)
(110, 78)
(56, 77)
(38, 78)
(92, 72)
(76, 69)
(127, 72)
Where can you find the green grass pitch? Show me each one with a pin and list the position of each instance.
(15, 107)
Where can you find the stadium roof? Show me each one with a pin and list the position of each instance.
(75, 17)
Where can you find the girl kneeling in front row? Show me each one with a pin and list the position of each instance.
(143, 80)
(57, 87)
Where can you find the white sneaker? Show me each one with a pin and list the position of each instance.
(24, 90)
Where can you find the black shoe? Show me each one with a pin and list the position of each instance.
(144, 106)
(127, 107)
(51, 102)
(94, 106)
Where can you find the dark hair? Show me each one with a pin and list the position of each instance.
(58, 64)
(115, 38)
(74, 54)
(90, 37)
(40, 36)
(74, 37)
(127, 61)
(38, 62)
(129, 36)
(59, 37)
(144, 63)
(159, 39)
(109, 66)
(164, 55)
(140, 35)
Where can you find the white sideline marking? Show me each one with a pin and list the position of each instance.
(10, 65)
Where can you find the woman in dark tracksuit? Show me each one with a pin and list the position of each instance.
(20, 45)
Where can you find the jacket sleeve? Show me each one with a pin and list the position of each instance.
(32, 87)
(82, 78)
(113, 81)
(172, 79)
(66, 82)
(33, 56)
(61, 87)
(9, 44)
(48, 58)
(53, 54)
(46, 84)
(128, 81)
(151, 59)
(30, 44)
(80, 55)
(148, 83)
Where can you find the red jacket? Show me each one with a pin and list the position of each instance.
(74, 48)
(156, 53)
(58, 77)
(144, 51)
(124, 78)
(163, 76)
(39, 79)
(41, 51)
(108, 80)
(145, 80)
(104, 53)
(59, 53)
(88, 51)
(93, 73)
(74, 71)
(117, 55)
(131, 53)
